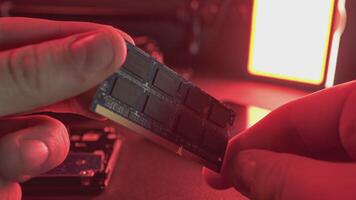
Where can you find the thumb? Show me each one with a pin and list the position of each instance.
(261, 174)
(42, 74)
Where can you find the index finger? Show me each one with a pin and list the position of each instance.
(308, 126)
(19, 31)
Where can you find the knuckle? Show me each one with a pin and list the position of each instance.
(23, 68)
(283, 174)
(68, 58)
(64, 58)
(275, 175)
(61, 62)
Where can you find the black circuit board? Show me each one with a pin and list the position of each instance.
(151, 95)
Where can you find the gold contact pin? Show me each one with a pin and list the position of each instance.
(152, 136)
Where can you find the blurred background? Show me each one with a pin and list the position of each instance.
(254, 55)
(217, 35)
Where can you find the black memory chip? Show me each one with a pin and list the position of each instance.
(198, 101)
(214, 141)
(127, 92)
(190, 127)
(159, 110)
(141, 66)
(220, 115)
(167, 82)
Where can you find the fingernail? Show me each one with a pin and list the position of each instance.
(34, 154)
(246, 170)
(94, 51)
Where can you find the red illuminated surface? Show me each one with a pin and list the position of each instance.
(290, 39)
(262, 95)
(255, 114)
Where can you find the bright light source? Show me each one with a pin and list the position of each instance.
(334, 49)
(290, 39)
(255, 114)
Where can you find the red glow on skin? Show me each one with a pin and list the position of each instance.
(302, 150)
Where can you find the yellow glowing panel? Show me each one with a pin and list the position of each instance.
(255, 114)
(290, 39)
(334, 46)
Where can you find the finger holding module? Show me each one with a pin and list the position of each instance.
(319, 126)
(264, 175)
(12, 31)
(42, 74)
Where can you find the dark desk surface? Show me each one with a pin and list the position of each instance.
(145, 171)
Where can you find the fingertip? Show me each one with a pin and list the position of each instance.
(123, 34)
(126, 36)
(55, 135)
(119, 47)
(49, 130)
(34, 150)
(214, 179)
(98, 52)
(120, 50)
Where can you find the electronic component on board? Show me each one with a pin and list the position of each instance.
(151, 99)
(86, 170)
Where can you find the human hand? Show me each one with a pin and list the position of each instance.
(46, 66)
(305, 149)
